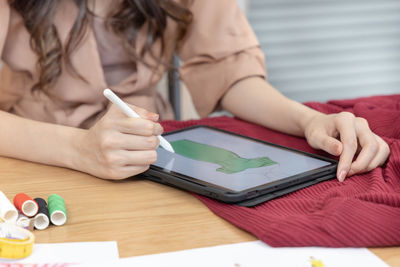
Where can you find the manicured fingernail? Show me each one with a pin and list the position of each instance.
(336, 149)
(341, 176)
(153, 116)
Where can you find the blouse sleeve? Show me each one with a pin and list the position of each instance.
(219, 49)
(4, 21)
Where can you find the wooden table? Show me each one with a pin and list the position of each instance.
(142, 216)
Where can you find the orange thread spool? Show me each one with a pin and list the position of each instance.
(26, 204)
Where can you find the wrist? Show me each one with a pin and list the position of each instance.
(75, 144)
(304, 115)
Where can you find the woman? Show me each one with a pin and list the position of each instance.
(59, 55)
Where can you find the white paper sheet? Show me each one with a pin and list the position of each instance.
(69, 254)
(254, 254)
(248, 254)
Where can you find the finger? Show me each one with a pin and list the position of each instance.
(135, 142)
(345, 124)
(153, 116)
(141, 112)
(381, 155)
(130, 158)
(145, 114)
(139, 126)
(326, 143)
(369, 147)
(133, 158)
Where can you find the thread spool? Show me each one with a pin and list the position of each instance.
(57, 210)
(26, 204)
(23, 221)
(8, 212)
(42, 218)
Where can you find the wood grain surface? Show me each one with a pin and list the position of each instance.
(142, 216)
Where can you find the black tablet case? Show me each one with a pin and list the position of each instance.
(263, 198)
(154, 175)
(248, 202)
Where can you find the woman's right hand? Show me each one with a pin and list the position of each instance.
(118, 147)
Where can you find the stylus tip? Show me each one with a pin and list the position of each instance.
(166, 145)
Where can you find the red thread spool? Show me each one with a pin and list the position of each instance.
(26, 204)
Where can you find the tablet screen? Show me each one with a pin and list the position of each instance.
(229, 161)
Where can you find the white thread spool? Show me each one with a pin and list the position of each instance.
(8, 212)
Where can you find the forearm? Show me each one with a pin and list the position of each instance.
(255, 100)
(37, 141)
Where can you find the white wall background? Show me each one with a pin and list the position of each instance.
(243, 4)
(329, 49)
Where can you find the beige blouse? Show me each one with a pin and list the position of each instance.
(115, 61)
(218, 50)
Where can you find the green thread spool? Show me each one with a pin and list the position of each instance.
(58, 213)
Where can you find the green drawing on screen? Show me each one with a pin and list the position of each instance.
(230, 162)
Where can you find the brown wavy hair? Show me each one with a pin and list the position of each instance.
(125, 20)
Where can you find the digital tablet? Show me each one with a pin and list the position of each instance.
(235, 169)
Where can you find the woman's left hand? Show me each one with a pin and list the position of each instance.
(347, 136)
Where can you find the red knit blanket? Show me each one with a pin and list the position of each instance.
(363, 211)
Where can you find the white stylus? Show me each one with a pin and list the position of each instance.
(130, 113)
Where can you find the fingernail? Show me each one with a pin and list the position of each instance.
(337, 149)
(342, 176)
(153, 116)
